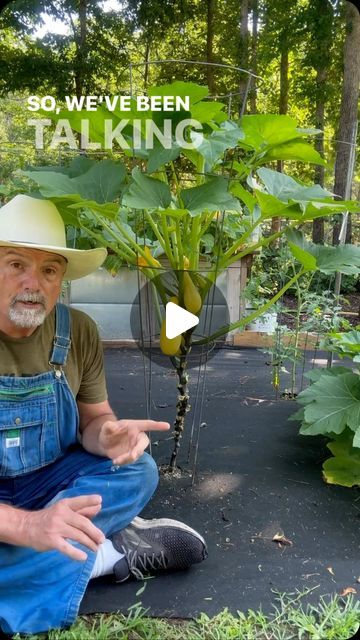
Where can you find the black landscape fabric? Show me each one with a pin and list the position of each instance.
(255, 477)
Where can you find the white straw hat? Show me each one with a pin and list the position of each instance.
(37, 224)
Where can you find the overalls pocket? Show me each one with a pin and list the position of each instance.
(29, 437)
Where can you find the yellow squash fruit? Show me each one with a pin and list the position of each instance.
(192, 298)
(169, 347)
(149, 261)
(186, 262)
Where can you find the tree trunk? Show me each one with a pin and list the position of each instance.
(254, 44)
(322, 34)
(210, 45)
(283, 108)
(80, 43)
(243, 49)
(284, 80)
(318, 230)
(348, 110)
(147, 66)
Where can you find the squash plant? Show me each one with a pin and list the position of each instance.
(331, 407)
(160, 203)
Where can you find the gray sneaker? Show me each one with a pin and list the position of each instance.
(155, 546)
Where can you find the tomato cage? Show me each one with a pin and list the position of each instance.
(238, 83)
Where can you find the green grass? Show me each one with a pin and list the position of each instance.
(332, 618)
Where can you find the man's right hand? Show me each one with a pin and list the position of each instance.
(50, 527)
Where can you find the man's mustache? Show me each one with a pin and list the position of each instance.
(29, 297)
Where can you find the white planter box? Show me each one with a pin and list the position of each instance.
(108, 300)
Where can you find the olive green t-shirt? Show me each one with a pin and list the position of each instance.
(84, 369)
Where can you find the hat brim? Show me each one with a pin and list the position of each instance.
(80, 262)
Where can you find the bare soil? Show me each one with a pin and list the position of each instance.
(350, 310)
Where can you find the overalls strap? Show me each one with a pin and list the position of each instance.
(62, 342)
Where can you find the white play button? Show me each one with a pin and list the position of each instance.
(178, 320)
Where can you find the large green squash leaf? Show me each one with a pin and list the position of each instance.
(243, 194)
(159, 156)
(286, 188)
(210, 196)
(268, 130)
(208, 112)
(314, 374)
(53, 183)
(213, 147)
(332, 403)
(344, 467)
(103, 182)
(77, 166)
(304, 257)
(195, 92)
(107, 209)
(271, 206)
(69, 216)
(294, 150)
(344, 258)
(91, 122)
(345, 344)
(146, 193)
(302, 250)
(297, 416)
(177, 214)
(326, 207)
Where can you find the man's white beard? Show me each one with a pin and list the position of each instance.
(27, 318)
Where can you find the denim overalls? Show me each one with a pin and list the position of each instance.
(42, 462)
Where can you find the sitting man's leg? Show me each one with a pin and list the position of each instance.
(134, 546)
(43, 590)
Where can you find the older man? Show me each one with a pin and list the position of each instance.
(73, 478)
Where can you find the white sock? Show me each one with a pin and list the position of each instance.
(106, 557)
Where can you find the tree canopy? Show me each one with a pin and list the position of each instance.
(298, 51)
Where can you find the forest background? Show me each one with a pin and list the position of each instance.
(305, 52)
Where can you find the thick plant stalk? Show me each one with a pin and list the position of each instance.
(297, 338)
(182, 405)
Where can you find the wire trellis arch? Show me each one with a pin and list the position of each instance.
(202, 368)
